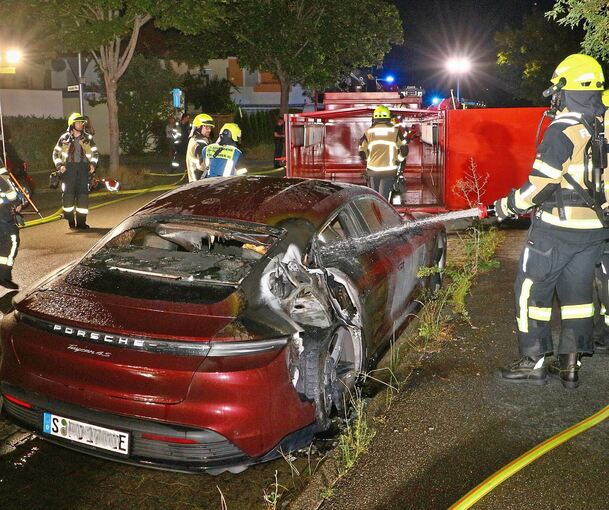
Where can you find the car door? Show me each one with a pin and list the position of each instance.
(388, 262)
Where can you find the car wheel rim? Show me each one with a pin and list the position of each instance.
(340, 372)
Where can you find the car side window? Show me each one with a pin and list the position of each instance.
(339, 229)
(376, 215)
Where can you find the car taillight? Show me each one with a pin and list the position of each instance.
(221, 349)
(17, 401)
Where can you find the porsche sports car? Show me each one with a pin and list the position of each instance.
(220, 322)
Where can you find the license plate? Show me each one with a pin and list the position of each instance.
(85, 433)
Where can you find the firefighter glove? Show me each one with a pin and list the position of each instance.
(54, 179)
(502, 210)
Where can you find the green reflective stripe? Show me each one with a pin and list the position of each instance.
(523, 304)
(540, 314)
(577, 311)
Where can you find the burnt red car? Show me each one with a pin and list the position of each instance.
(220, 322)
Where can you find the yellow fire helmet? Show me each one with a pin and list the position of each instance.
(233, 129)
(579, 72)
(76, 117)
(381, 112)
(203, 120)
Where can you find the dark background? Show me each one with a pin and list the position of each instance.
(434, 30)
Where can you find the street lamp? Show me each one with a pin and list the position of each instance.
(12, 56)
(458, 66)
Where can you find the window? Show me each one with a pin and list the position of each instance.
(338, 229)
(376, 215)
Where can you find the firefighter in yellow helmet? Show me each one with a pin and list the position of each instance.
(200, 137)
(383, 149)
(567, 234)
(221, 158)
(75, 157)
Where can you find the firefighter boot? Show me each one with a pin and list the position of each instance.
(526, 370)
(70, 217)
(81, 221)
(566, 368)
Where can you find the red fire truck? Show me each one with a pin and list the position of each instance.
(445, 146)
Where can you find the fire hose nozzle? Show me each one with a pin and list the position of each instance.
(485, 210)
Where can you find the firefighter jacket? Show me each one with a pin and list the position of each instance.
(8, 197)
(195, 160)
(67, 145)
(561, 157)
(221, 160)
(384, 147)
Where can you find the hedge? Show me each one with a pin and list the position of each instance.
(33, 139)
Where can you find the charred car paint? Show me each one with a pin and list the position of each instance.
(215, 325)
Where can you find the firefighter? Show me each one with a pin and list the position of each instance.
(199, 139)
(221, 158)
(9, 232)
(566, 237)
(382, 149)
(75, 157)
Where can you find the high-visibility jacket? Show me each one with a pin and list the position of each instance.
(8, 197)
(221, 160)
(195, 161)
(561, 153)
(384, 147)
(64, 149)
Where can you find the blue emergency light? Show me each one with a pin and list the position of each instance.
(435, 100)
(389, 78)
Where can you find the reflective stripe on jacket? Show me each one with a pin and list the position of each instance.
(195, 161)
(561, 152)
(221, 160)
(61, 150)
(384, 146)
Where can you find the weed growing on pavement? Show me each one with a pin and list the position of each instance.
(357, 434)
(272, 495)
(223, 505)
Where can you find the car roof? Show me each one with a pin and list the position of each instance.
(258, 199)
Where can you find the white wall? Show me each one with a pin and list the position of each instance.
(37, 103)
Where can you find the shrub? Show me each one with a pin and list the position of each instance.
(33, 139)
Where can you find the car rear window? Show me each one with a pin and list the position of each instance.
(173, 253)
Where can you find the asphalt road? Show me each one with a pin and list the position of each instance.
(456, 423)
(38, 475)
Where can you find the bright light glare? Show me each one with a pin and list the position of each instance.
(458, 65)
(13, 56)
(435, 100)
(389, 79)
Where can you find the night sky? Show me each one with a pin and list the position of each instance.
(436, 29)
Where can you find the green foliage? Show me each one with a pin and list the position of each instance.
(211, 96)
(143, 111)
(528, 55)
(257, 127)
(357, 434)
(592, 16)
(23, 130)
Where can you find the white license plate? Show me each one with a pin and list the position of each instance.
(85, 433)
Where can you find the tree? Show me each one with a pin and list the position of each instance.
(143, 111)
(310, 42)
(109, 29)
(592, 16)
(528, 55)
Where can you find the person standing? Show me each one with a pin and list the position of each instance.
(566, 237)
(382, 149)
(279, 138)
(75, 157)
(221, 158)
(199, 139)
(9, 232)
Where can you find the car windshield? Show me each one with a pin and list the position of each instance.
(184, 250)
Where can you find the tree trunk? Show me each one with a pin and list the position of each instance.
(112, 125)
(284, 105)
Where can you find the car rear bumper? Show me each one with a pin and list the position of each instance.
(205, 451)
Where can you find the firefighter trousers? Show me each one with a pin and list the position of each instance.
(75, 197)
(9, 244)
(562, 263)
(382, 182)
